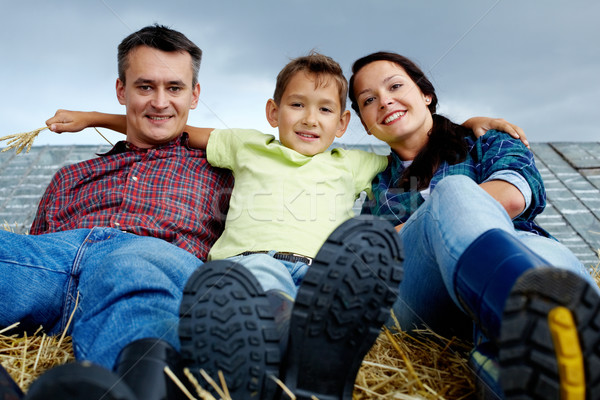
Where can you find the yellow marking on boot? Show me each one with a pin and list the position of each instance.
(568, 354)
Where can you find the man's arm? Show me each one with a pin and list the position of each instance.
(75, 121)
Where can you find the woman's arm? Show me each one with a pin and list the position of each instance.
(507, 195)
(75, 121)
(480, 125)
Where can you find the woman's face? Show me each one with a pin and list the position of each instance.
(392, 107)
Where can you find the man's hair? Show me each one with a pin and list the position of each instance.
(314, 63)
(161, 38)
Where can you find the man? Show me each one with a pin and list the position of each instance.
(116, 238)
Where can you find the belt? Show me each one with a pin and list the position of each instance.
(292, 257)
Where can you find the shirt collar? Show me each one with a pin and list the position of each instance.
(124, 146)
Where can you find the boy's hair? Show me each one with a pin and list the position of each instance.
(161, 38)
(314, 63)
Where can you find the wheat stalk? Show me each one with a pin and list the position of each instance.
(21, 141)
(24, 140)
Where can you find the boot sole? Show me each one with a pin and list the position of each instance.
(340, 307)
(226, 325)
(549, 344)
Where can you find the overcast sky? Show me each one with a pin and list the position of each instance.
(535, 63)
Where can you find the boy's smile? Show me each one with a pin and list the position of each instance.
(309, 116)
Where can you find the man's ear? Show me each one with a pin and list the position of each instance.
(195, 96)
(343, 124)
(121, 92)
(272, 111)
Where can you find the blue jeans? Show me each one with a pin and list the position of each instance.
(129, 286)
(434, 238)
(274, 274)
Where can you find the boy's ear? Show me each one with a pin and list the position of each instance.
(272, 111)
(121, 91)
(343, 124)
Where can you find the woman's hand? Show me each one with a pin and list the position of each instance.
(480, 125)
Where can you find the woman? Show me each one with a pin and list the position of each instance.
(464, 209)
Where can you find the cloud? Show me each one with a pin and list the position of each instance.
(533, 63)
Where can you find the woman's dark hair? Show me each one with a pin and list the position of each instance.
(446, 139)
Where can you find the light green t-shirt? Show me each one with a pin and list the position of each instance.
(283, 200)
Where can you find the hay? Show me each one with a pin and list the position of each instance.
(26, 357)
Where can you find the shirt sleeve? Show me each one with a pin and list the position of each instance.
(498, 154)
(220, 148)
(365, 166)
(225, 144)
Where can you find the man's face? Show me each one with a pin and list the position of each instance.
(158, 95)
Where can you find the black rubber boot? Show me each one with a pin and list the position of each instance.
(545, 321)
(227, 324)
(141, 364)
(9, 390)
(79, 381)
(343, 301)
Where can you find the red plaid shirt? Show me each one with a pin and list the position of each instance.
(168, 192)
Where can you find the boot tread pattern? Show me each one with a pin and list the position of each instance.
(228, 337)
(550, 339)
(344, 300)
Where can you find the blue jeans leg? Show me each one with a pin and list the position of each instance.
(435, 237)
(39, 277)
(274, 274)
(129, 286)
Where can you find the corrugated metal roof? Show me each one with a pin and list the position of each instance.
(571, 173)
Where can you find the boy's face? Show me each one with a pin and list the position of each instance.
(309, 118)
(158, 95)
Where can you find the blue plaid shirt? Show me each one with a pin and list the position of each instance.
(492, 153)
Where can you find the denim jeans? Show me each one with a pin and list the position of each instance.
(274, 274)
(129, 287)
(434, 238)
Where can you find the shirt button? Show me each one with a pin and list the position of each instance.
(135, 178)
(117, 224)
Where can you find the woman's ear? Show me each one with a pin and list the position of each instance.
(272, 111)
